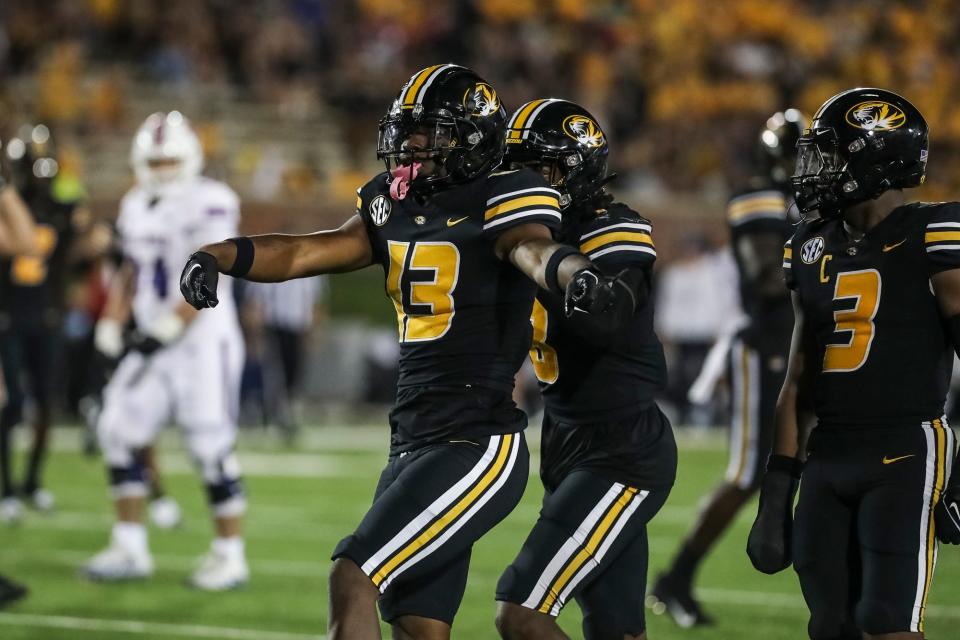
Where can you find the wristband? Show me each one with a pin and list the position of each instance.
(792, 466)
(550, 275)
(243, 262)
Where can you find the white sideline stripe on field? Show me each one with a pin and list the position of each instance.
(139, 627)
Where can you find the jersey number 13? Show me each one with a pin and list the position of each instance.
(421, 281)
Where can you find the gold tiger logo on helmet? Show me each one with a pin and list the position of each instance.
(876, 115)
(584, 130)
(485, 100)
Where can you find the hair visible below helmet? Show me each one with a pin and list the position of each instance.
(32, 156)
(562, 138)
(166, 141)
(861, 143)
(461, 116)
(777, 145)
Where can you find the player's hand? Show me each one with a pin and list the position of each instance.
(108, 338)
(198, 282)
(590, 291)
(946, 514)
(769, 543)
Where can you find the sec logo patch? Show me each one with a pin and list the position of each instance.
(380, 210)
(811, 250)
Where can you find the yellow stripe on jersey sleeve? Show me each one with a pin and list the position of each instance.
(615, 236)
(518, 203)
(940, 236)
(787, 253)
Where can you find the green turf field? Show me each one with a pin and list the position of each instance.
(301, 504)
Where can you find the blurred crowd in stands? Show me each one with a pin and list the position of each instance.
(286, 95)
(680, 84)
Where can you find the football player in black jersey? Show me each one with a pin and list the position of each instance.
(608, 456)
(17, 236)
(876, 295)
(759, 222)
(32, 305)
(463, 248)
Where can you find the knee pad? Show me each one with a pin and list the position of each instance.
(130, 480)
(225, 492)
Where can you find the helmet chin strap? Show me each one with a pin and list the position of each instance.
(402, 177)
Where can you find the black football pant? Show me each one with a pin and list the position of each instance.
(864, 544)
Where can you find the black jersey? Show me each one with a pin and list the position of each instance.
(761, 209)
(876, 344)
(462, 313)
(33, 287)
(583, 383)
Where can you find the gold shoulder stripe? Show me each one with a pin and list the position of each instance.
(740, 209)
(359, 201)
(788, 253)
(939, 236)
(615, 236)
(517, 203)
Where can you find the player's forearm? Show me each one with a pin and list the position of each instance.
(532, 257)
(18, 232)
(786, 438)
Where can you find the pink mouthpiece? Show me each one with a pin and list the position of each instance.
(402, 177)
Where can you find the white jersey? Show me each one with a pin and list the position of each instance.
(160, 230)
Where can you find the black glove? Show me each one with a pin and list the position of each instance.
(946, 514)
(770, 537)
(198, 282)
(589, 290)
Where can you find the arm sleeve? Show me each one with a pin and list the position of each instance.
(941, 239)
(519, 197)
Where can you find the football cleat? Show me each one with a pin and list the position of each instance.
(220, 572)
(165, 513)
(669, 596)
(11, 510)
(117, 563)
(41, 500)
(10, 591)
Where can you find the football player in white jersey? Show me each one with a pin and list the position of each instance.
(174, 358)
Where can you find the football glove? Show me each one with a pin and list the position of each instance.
(946, 515)
(589, 291)
(198, 282)
(769, 543)
(108, 338)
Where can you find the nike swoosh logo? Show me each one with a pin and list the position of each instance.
(887, 460)
(891, 247)
(451, 221)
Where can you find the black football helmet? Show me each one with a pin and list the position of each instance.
(777, 145)
(861, 143)
(461, 117)
(564, 142)
(32, 158)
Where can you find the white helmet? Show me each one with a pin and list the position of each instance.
(165, 137)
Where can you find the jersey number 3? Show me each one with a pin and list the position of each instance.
(864, 288)
(421, 282)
